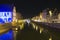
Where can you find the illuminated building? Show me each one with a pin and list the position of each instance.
(5, 13)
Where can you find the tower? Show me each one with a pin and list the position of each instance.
(14, 14)
(14, 21)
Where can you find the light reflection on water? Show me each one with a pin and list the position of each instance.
(7, 36)
(44, 33)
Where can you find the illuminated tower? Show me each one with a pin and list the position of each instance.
(14, 14)
(14, 17)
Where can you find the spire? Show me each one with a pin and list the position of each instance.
(14, 17)
(14, 13)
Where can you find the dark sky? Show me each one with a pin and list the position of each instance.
(30, 8)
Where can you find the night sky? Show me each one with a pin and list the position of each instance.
(30, 8)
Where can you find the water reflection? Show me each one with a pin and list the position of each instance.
(38, 32)
(7, 36)
(50, 38)
(32, 32)
(41, 30)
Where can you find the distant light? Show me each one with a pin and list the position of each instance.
(21, 26)
(50, 13)
(41, 16)
(33, 25)
(41, 30)
(27, 20)
(16, 29)
(50, 38)
(36, 27)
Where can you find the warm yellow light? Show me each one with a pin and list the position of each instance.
(16, 28)
(36, 27)
(41, 16)
(21, 26)
(41, 30)
(16, 20)
(50, 13)
(50, 38)
(3, 30)
(14, 23)
(33, 25)
(20, 21)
